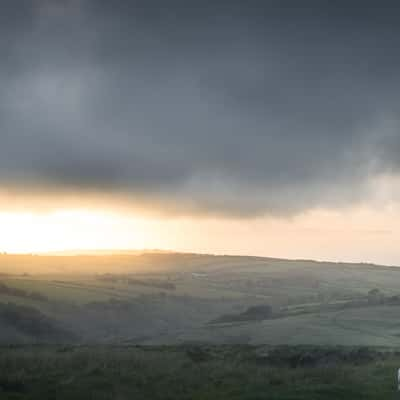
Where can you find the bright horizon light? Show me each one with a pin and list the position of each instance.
(354, 235)
(28, 232)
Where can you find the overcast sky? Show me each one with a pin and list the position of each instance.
(231, 107)
(234, 110)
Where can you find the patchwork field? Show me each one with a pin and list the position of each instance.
(167, 298)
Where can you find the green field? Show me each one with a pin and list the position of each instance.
(187, 326)
(167, 298)
(187, 372)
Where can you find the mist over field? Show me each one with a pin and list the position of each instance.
(176, 298)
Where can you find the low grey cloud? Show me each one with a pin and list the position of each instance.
(218, 107)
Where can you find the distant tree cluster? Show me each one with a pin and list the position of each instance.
(254, 313)
(376, 297)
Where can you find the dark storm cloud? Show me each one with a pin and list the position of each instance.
(223, 106)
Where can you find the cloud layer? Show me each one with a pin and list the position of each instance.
(219, 107)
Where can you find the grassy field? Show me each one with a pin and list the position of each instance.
(185, 372)
(375, 326)
(185, 326)
(167, 298)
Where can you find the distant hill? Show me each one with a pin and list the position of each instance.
(169, 298)
(103, 252)
(122, 261)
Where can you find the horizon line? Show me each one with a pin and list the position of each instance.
(137, 252)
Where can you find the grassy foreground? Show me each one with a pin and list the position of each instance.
(197, 372)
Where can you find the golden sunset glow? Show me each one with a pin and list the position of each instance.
(68, 229)
(44, 221)
(357, 234)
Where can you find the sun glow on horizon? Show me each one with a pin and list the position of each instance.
(358, 234)
(63, 230)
